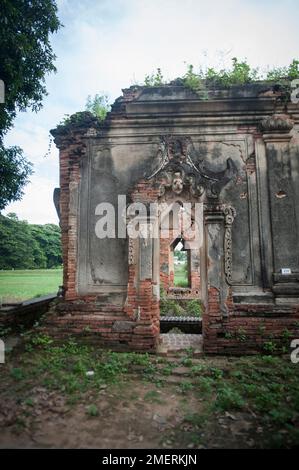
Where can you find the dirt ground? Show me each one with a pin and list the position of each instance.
(154, 403)
(124, 420)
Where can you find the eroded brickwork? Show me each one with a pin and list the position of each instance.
(251, 329)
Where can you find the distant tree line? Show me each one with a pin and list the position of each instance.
(28, 246)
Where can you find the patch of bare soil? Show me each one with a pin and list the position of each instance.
(135, 415)
(126, 417)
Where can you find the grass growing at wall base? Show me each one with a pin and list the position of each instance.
(18, 285)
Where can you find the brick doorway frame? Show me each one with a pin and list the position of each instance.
(143, 298)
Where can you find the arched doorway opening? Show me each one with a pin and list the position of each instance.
(180, 262)
(180, 246)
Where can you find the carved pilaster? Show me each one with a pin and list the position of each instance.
(229, 216)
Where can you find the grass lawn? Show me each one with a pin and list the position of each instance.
(20, 285)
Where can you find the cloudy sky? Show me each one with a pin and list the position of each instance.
(107, 45)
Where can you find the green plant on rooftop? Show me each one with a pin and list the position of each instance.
(96, 109)
(240, 73)
(155, 79)
(98, 106)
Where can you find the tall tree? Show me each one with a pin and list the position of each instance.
(18, 249)
(48, 237)
(26, 57)
(28, 246)
(14, 173)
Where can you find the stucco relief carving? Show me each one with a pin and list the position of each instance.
(229, 216)
(177, 183)
(176, 170)
(132, 251)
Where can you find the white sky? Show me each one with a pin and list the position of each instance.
(106, 45)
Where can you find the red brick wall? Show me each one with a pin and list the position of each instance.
(70, 155)
(248, 329)
(141, 302)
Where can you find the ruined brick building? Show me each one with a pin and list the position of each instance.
(235, 153)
